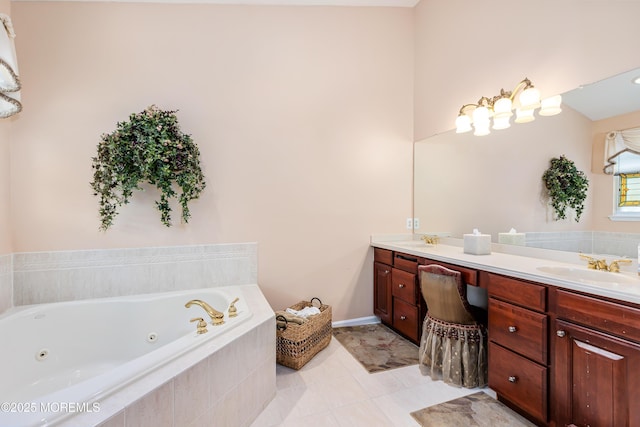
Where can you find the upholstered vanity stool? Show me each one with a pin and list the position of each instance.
(453, 344)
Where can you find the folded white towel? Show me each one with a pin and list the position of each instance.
(305, 312)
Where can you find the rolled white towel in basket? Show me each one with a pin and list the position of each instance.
(305, 312)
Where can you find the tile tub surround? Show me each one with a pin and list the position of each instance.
(227, 382)
(43, 277)
(590, 242)
(6, 290)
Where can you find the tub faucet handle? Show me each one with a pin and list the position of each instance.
(202, 325)
(233, 311)
(217, 318)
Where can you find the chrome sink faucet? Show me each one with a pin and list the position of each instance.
(217, 318)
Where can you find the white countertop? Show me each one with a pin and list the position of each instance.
(523, 263)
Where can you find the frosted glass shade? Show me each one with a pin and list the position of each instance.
(482, 130)
(481, 121)
(500, 123)
(502, 108)
(524, 115)
(550, 106)
(480, 115)
(463, 124)
(530, 98)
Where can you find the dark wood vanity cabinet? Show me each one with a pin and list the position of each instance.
(397, 300)
(397, 297)
(596, 359)
(408, 305)
(382, 299)
(518, 350)
(557, 356)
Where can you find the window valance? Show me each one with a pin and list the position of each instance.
(622, 151)
(9, 80)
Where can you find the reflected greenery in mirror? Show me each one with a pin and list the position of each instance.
(567, 187)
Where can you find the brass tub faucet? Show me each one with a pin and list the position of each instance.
(217, 318)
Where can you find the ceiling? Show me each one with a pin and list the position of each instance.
(606, 98)
(389, 3)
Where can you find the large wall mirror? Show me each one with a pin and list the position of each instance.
(494, 183)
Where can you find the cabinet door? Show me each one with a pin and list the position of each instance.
(382, 302)
(596, 381)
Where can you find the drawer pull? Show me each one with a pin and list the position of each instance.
(400, 285)
(386, 272)
(512, 329)
(403, 317)
(561, 333)
(513, 379)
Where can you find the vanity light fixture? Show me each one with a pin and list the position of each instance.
(500, 108)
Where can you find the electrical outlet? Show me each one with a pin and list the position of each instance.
(409, 223)
(416, 223)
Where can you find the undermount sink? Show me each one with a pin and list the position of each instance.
(586, 275)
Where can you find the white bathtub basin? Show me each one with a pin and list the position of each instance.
(83, 351)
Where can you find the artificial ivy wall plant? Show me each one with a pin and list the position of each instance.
(149, 147)
(566, 187)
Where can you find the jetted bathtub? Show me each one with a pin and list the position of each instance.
(60, 359)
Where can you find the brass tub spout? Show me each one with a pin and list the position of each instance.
(217, 318)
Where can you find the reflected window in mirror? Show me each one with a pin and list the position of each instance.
(627, 197)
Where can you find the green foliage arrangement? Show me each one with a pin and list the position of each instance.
(566, 186)
(150, 147)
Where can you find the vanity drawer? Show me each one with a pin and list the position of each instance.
(469, 275)
(519, 380)
(403, 285)
(518, 292)
(521, 330)
(405, 318)
(616, 319)
(406, 262)
(383, 255)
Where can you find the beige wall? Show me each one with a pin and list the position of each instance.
(465, 50)
(303, 116)
(5, 195)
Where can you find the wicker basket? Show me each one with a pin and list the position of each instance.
(297, 344)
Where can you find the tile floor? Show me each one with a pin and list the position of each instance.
(333, 389)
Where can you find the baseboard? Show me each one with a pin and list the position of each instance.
(356, 322)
